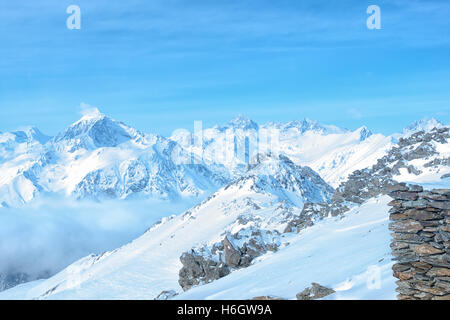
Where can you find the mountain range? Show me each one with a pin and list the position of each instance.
(99, 158)
(253, 207)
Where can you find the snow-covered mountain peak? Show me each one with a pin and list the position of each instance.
(277, 174)
(24, 135)
(270, 163)
(306, 125)
(91, 114)
(96, 130)
(309, 125)
(243, 122)
(364, 133)
(426, 124)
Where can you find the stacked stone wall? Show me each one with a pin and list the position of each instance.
(420, 242)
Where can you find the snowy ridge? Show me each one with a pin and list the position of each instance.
(269, 216)
(235, 207)
(345, 254)
(425, 124)
(98, 157)
(332, 152)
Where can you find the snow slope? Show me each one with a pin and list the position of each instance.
(264, 199)
(349, 254)
(335, 156)
(98, 157)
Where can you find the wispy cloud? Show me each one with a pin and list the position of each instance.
(86, 109)
(354, 113)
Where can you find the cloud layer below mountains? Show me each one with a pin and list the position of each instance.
(48, 235)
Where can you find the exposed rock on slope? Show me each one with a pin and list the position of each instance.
(222, 258)
(236, 251)
(315, 292)
(250, 213)
(371, 182)
(289, 186)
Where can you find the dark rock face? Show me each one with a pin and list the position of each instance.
(313, 212)
(197, 270)
(437, 162)
(316, 291)
(234, 252)
(421, 233)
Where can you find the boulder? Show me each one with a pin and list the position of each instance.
(316, 291)
(232, 255)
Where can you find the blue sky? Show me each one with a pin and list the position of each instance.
(159, 65)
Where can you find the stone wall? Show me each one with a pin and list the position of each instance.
(421, 240)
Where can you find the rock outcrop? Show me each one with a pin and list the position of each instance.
(206, 264)
(364, 184)
(421, 242)
(316, 291)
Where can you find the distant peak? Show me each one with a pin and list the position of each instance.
(364, 133)
(424, 124)
(28, 134)
(29, 130)
(98, 130)
(243, 122)
(91, 114)
(305, 125)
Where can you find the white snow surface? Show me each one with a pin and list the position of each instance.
(100, 157)
(425, 124)
(332, 152)
(349, 254)
(430, 177)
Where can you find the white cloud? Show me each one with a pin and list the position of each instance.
(49, 234)
(88, 110)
